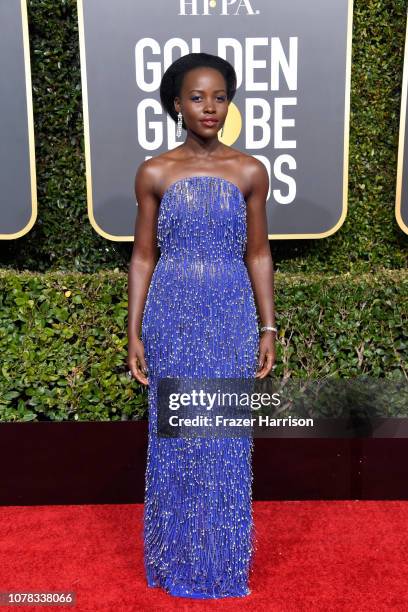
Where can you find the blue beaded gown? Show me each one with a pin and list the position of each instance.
(199, 320)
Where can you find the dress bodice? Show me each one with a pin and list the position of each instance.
(200, 285)
(202, 217)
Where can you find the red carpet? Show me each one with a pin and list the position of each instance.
(311, 555)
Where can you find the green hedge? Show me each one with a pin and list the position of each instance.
(63, 338)
(63, 239)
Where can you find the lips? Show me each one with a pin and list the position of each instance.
(209, 122)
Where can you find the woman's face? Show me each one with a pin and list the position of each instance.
(203, 97)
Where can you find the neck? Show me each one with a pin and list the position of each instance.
(201, 147)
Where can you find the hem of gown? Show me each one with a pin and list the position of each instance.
(182, 591)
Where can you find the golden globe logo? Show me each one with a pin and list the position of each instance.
(217, 7)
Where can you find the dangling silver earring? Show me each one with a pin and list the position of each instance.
(179, 124)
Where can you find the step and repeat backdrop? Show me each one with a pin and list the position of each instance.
(291, 109)
(401, 199)
(18, 191)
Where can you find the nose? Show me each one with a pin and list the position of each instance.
(209, 106)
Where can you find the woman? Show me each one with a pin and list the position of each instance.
(203, 205)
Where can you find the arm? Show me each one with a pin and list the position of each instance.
(142, 263)
(258, 260)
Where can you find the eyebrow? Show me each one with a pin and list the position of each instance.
(201, 90)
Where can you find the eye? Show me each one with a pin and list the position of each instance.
(222, 98)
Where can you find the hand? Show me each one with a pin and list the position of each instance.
(136, 361)
(267, 354)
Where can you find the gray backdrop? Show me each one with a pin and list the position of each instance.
(401, 203)
(127, 45)
(18, 200)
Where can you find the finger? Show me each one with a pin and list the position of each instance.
(261, 373)
(266, 368)
(143, 364)
(139, 375)
(139, 359)
(261, 359)
(270, 360)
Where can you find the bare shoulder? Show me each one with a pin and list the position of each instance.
(145, 171)
(149, 174)
(151, 168)
(256, 173)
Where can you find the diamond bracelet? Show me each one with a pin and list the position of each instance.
(269, 328)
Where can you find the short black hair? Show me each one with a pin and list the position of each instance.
(172, 79)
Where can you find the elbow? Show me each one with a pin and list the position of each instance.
(258, 259)
(143, 262)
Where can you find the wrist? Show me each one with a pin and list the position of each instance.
(269, 329)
